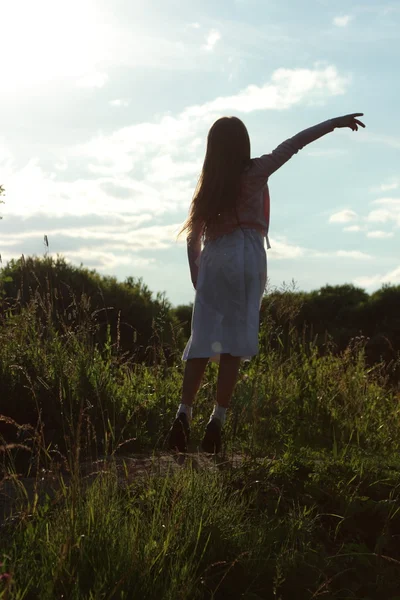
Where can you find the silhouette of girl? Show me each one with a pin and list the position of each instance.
(230, 214)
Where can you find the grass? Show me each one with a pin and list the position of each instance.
(310, 510)
(300, 526)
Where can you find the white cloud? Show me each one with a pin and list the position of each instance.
(282, 249)
(389, 211)
(194, 25)
(103, 245)
(343, 216)
(75, 42)
(123, 230)
(352, 228)
(93, 258)
(8, 242)
(93, 80)
(6, 156)
(121, 150)
(212, 38)
(356, 254)
(386, 187)
(31, 190)
(380, 234)
(367, 281)
(147, 169)
(392, 202)
(103, 260)
(330, 152)
(392, 277)
(391, 9)
(389, 186)
(163, 168)
(119, 102)
(286, 88)
(342, 21)
(44, 41)
(386, 140)
(379, 216)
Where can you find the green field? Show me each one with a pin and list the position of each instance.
(302, 503)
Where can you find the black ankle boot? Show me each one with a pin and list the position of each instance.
(212, 437)
(179, 434)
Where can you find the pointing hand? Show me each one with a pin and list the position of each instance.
(349, 121)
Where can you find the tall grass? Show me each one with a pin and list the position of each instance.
(294, 527)
(304, 501)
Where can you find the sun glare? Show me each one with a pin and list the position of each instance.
(46, 40)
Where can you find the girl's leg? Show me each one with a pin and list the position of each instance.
(194, 371)
(227, 377)
(180, 431)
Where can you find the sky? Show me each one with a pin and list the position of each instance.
(105, 109)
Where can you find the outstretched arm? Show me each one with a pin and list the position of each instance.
(269, 163)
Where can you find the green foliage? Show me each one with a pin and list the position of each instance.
(293, 527)
(60, 374)
(342, 313)
(65, 377)
(303, 502)
(183, 313)
(69, 295)
(331, 317)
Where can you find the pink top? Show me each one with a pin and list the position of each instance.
(254, 203)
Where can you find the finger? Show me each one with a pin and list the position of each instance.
(356, 115)
(359, 123)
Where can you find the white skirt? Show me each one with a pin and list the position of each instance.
(230, 286)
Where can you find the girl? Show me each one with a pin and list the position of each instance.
(230, 214)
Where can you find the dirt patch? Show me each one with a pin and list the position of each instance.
(19, 493)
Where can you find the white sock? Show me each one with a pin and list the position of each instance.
(184, 408)
(220, 413)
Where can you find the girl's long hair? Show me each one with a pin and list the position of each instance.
(219, 184)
